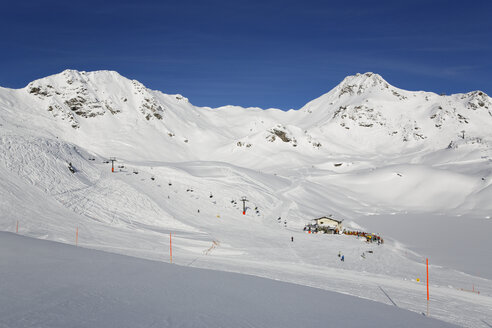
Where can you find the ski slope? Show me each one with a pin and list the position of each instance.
(56, 285)
(162, 185)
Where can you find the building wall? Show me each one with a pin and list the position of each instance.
(329, 222)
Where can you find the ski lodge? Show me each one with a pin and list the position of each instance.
(326, 224)
(329, 222)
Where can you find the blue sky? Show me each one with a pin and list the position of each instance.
(252, 53)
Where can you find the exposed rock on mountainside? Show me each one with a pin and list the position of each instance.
(72, 94)
(281, 133)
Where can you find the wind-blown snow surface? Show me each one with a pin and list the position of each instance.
(365, 148)
(55, 285)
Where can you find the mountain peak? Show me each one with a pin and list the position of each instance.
(358, 83)
(74, 72)
(355, 90)
(72, 95)
(71, 76)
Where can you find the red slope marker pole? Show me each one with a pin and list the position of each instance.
(170, 248)
(427, 265)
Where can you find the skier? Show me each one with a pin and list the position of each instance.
(70, 167)
(292, 239)
(339, 253)
(343, 258)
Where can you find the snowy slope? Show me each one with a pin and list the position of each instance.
(84, 288)
(182, 169)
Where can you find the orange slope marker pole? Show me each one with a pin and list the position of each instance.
(170, 248)
(427, 265)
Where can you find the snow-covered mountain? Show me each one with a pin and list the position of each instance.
(384, 116)
(361, 125)
(365, 152)
(108, 113)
